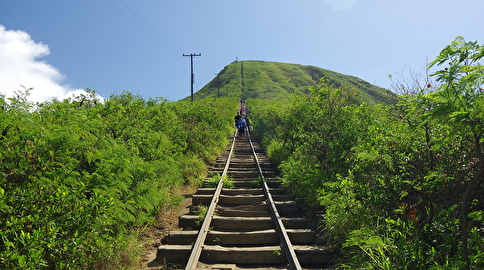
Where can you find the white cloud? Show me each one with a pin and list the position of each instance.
(20, 65)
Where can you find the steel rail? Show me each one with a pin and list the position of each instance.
(286, 242)
(205, 228)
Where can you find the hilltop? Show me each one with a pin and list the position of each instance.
(273, 80)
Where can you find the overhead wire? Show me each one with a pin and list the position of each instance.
(210, 74)
(164, 43)
(127, 17)
(153, 30)
(205, 66)
(119, 28)
(207, 69)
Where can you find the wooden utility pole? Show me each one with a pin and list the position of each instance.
(191, 70)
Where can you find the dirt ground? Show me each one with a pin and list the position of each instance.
(167, 220)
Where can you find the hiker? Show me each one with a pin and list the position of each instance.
(240, 125)
(237, 117)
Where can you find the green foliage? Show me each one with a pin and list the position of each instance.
(214, 180)
(400, 186)
(310, 138)
(201, 212)
(258, 183)
(79, 176)
(271, 80)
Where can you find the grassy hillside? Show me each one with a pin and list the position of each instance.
(272, 80)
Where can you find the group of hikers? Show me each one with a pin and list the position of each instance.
(241, 119)
(241, 122)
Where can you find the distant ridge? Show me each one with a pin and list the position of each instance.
(274, 80)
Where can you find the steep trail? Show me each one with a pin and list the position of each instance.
(243, 231)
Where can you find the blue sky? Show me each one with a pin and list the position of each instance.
(60, 46)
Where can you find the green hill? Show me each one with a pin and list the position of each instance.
(273, 80)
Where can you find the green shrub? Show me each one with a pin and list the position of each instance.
(399, 186)
(79, 176)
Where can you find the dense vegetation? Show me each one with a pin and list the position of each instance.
(400, 186)
(80, 177)
(272, 80)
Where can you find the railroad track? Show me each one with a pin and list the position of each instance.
(254, 224)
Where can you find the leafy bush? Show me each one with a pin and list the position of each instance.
(78, 176)
(400, 186)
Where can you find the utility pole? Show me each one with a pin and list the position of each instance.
(191, 70)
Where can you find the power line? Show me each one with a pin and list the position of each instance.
(164, 43)
(205, 66)
(121, 29)
(127, 17)
(168, 42)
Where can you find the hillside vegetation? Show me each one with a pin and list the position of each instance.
(398, 186)
(80, 178)
(272, 80)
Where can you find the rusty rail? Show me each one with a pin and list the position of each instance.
(205, 228)
(286, 242)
